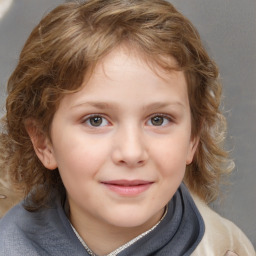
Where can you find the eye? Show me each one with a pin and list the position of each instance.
(96, 121)
(159, 120)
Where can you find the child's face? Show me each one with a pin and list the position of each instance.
(122, 142)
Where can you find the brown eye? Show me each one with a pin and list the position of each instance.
(95, 121)
(157, 120)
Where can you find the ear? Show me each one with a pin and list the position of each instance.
(42, 144)
(192, 149)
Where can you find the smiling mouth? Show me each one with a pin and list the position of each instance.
(128, 187)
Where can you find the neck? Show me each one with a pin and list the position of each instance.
(104, 238)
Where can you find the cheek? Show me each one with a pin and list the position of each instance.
(77, 171)
(170, 157)
(79, 157)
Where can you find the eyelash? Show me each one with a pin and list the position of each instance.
(88, 118)
(165, 118)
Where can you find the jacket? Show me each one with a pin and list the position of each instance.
(222, 237)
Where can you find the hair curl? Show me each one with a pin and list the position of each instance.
(68, 42)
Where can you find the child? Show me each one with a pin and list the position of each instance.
(114, 104)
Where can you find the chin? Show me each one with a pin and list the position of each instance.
(134, 219)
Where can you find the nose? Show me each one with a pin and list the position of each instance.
(130, 148)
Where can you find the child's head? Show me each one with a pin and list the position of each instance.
(69, 43)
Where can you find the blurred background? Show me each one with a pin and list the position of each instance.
(228, 30)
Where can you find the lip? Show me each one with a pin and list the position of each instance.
(128, 187)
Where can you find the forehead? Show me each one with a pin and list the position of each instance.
(125, 78)
(126, 55)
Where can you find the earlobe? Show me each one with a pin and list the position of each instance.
(193, 146)
(42, 145)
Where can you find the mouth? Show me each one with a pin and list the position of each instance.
(128, 187)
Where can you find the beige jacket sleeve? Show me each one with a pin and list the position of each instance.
(8, 197)
(222, 237)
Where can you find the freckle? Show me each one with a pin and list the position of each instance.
(3, 196)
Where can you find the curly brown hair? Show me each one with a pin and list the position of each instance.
(68, 42)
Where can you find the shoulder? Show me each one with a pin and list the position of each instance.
(11, 219)
(12, 231)
(21, 232)
(221, 235)
(44, 232)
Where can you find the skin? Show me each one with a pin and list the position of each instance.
(130, 124)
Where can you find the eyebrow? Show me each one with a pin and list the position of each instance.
(159, 105)
(99, 105)
(105, 105)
